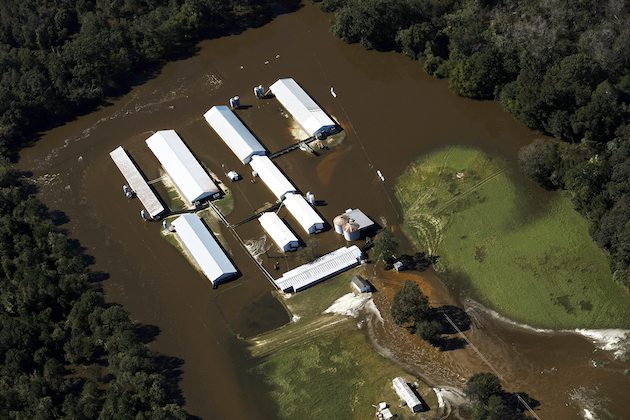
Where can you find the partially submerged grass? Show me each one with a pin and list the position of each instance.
(531, 261)
(322, 366)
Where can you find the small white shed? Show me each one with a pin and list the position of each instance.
(407, 395)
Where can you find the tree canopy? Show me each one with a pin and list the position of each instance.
(562, 70)
(410, 304)
(65, 352)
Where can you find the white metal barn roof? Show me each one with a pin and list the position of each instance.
(136, 181)
(202, 246)
(271, 176)
(278, 231)
(328, 265)
(359, 218)
(180, 164)
(303, 213)
(406, 394)
(301, 106)
(234, 133)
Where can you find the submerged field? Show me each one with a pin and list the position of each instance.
(323, 366)
(527, 255)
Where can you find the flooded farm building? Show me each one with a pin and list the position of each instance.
(303, 213)
(303, 108)
(182, 167)
(278, 231)
(271, 176)
(234, 133)
(137, 182)
(203, 248)
(322, 268)
(351, 223)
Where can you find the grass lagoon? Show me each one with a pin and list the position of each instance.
(322, 365)
(526, 255)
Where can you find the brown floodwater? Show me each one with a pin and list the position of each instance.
(391, 112)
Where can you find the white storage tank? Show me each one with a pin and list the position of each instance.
(259, 91)
(351, 231)
(235, 102)
(310, 197)
(339, 221)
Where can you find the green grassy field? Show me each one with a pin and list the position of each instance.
(323, 366)
(527, 255)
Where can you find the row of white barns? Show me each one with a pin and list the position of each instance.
(303, 108)
(189, 177)
(278, 231)
(203, 248)
(234, 133)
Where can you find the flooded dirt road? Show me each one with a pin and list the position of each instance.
(391, 112)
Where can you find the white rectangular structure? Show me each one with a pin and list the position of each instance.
(322, 268)
(203, 248)
(303, 213)
(271, 176)
(137, 183)
(278, 231)
(234, 133)
(181, 166)
(406, 394)
(303, 108)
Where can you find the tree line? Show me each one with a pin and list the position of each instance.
(561, 69)
(64, 351)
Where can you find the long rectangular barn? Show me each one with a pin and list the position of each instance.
(269, 173)
(303, 108)
(278, 231)
(137, 182)
(322, 268)
(234, 133)
(181, 166)
(203, 248)
(303, 213)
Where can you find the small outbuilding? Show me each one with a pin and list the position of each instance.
(273, 178)
(203, 248)
(234, 133)
(351, 224)
(407, 394)
(279, 232)
(303, 108)
(305, 215)
(361, 285)
(192, 181)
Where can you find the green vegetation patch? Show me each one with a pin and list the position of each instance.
(323, 366)
(527, 255)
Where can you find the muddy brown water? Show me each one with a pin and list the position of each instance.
(391, 112)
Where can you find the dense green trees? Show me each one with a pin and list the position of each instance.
(57, 58)
(562, 70)
(385, 246)
(64, 352)
(409, 304)
(490, 401)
